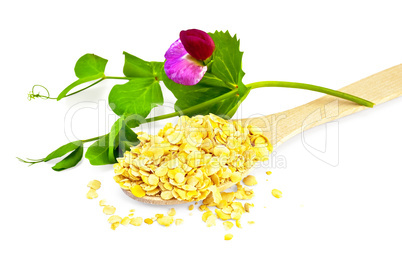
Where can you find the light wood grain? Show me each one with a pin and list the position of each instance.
(282, 126)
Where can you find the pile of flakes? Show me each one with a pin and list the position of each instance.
(192, 159)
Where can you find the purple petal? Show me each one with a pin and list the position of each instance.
(181, 67)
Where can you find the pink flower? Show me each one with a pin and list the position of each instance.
(184, 58)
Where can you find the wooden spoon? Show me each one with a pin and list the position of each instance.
(280, 127)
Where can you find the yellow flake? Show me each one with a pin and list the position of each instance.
(206, 215)
(235, 177)
(247, 207)
(268, 172)
(175, 137)
(148, 221)
(132, 210)
(137, 221)
(238, 224)
(114, 218)
(158, 215)
(276, 193)
(109, 210)
(114, 225)
(254, 130)
(166, 195)
(94, 184)
(211, 220)
(222, 204)
(250, 180)
(251, 222)
(178, 221)
(191, 207)
(165, 220)
(102, 202)
(137, 191)
(203, 207)
(161, 171)
(221, 215)
(227, 225)
(92, 194)
(153, 179)
(172, 212)
(125, 221)
(228, 237)
(229, 197)
(216, 195)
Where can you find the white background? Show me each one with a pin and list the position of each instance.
(347, 215)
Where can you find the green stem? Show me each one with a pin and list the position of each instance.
(118, 78)
(315, 88)
(194, 108)
(92, 84)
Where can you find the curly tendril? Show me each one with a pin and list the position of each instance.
(32, 95)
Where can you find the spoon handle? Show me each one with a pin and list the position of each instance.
(377, 88)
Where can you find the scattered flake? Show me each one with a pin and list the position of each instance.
(94, 184)
(227, 225)
(276, 193)
(109, 210)
(92, 194)
(136, 221)
(206, 215)
(228, 237)
(250, 180)
(102, 202)
(211, 220)
(114, 218)
(221, 215)
(165, 220)
(191, 207)
(131, 215)
(172, 212)
(268, 172)
(114, 225)
(178, 221)
(251, 222)
(125, 221)
(238, 224)
(148, 221)
(247, 206)
(132, 210)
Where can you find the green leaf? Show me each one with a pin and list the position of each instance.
(90, 65)
(126, 139)
(71, 160)
(136, 67)
(138, 96)
(88, 68)
(97, 153)
(227, 58)
(113, 137)
(188, 96)
(61, 151)
(157, 69)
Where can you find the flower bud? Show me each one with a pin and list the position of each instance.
(197, 43)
